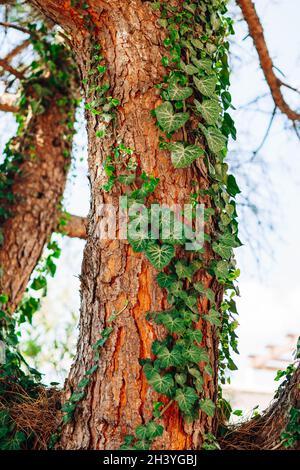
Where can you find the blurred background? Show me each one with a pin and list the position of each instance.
(266, 162)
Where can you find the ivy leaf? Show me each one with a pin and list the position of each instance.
(213, 317)
(182, 156)
(208, 406)
(194, 335)
(215, 139)
(169, 358)
(232, 186)
(195, 354)
(221, 269)
(159, 256)
(224, 251)
(161, 383)
(206, 85)
(203, 64)
(165, 280)
(183, 271)
(209, 293)
(210, 110)
(168, 120)
(173, 325)
(186, 397)
(178, 93)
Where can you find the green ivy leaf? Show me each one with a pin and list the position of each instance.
(232, 186)
(215, 139)
(182, 156)
(168, 120)
(195, 354)
(224, 251)
(165, 280)
(161, 383)
(206, 85)
(213, 317)
(159, 255)
(183, 271)
(186, 398)
(203, 64)
(221, 269)
(173, 324)
(210, 110)
(208, 406)
(178, 93)
(169, 358)
(209, 293)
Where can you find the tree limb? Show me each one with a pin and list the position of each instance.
(257, 33)
(76, 227)
(264, 432)
(8, 103)
(6, 66)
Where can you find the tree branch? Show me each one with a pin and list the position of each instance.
(8, 103)
(6, 66)
(257, 34)
(264, 432)
(76, 227)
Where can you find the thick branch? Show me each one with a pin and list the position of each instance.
(6, 66)
(257, 34)
(8, 103)
(76, 227)
(264, 432)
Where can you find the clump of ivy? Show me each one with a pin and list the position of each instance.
(49, 72)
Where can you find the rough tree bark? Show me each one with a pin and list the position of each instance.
(119, 397)
(37, 188)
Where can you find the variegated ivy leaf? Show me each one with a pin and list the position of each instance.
(168, 358)
(173, 324)
(209, 293)
(186, 397)
(168, 120)
(215, 139)
(221, 269)
(203, 64)
(210, 110)
(213, 317)
(179, 93)
(189, 69)
(182, 156)
(207, 406)
(206, 85)
(195, 354)
(159, 255)
(161, 383)
(224, 251)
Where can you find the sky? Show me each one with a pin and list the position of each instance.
(269, 302)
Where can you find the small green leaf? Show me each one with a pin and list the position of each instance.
(206, 85)
(186, 397)
(210, 110)
(232, 186)
(168, 120)
(178, 93)
(213, 317)
(208, 406)
(159, 255)
(182, 156)
(195, 354)
(215, 139)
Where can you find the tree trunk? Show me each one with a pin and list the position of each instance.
(43, 157)
(119, 397)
